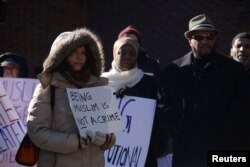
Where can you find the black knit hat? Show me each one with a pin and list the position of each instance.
(17, 60)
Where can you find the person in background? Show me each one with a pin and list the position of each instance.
(76, 60)
(127, 79)
(240, 50)
(144, 61)
(13, 65)
(207, 99)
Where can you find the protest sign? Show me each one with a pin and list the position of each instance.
(132, 144)
(11, 128)
(165, 161)
(19, 92)
(95, 109)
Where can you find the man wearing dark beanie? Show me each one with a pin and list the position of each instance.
(145, 62)
(240, 50)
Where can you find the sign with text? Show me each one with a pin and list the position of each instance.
(16, 97)
(95, 109)
(136, 113)
(11, 128)
(132, 144)
(20, 92)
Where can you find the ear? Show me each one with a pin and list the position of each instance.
(231, 52)
(189, 41)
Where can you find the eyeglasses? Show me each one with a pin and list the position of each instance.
(202, 37)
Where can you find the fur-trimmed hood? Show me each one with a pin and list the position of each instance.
(66, 42)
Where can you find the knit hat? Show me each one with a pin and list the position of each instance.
(16, 60)
(9, 61)
(200, 22)
(122, 41)
(131, 30)
(242, 35)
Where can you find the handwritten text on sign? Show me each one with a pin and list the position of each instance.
(132, 144)
(11, 129)
(19, 91)
(95, 109)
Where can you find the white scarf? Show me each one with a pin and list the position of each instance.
(119, 79)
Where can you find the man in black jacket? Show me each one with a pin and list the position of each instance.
(206, 99)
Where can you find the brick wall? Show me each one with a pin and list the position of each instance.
(163, 23)
(32, 25)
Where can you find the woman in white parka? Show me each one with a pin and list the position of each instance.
(75, 61)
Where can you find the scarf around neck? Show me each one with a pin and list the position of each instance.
(80, 82)
(119, 79)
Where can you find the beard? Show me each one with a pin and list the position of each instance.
(203, 52)
(242, 58)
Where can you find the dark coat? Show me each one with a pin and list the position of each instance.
(145, 83)
(248, 72)
(207, 109)
(148, 64)
(148, 87)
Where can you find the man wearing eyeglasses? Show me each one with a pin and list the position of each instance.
(206, 99)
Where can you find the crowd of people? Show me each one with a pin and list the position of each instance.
(203, 98)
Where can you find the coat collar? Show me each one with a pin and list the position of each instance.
(186, 60)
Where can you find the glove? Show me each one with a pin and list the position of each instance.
(84, 142)
(90, 136)
(100, 139)
(121, 92)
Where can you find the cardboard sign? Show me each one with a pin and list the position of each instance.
(95, 109)
(19, 92)
(131, 147)
(11, 128)
(136, 114)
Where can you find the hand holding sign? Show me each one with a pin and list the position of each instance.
(100, 138)
(95, 109)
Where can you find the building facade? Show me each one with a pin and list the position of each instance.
(29, 27)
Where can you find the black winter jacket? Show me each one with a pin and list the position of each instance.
(208, 109)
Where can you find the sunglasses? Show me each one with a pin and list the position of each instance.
(202, 37)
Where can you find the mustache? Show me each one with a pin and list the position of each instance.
(206, 46)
